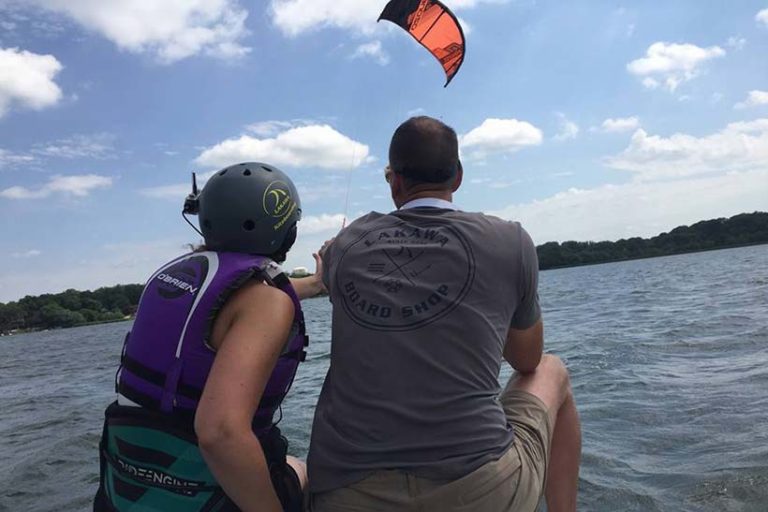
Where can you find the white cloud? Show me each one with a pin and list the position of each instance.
(670, 65)
(568, 129)
(736, 42)
(32, 253)
(113, 264)
(179, 191)
(610, 212)
(620, 124)
(651, 83)
(314, 192)
(324, 223)
(26, 79)
(762, 17)
(739, 146)
(754, 99)
(269, 128)
(500, 136)
(10, 159)
(79, 186)
(471, 4)
(171, 29)
(78, 146)
(372, 50)
(315, 146)
(294, 17)
(465, 26)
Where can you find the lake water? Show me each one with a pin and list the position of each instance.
(669, 361)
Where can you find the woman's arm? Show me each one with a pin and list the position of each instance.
(306, 287)
(255, 325)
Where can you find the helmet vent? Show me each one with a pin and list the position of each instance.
(266, 168)
(249, 225)
(247, 172)
(222, 173)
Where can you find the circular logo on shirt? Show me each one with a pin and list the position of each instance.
(404, 277)
(182, 279)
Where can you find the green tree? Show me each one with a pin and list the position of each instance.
(11, 317)
(53, 315)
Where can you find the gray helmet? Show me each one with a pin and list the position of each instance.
(250, 208)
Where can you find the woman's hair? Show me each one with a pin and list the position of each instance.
(278, 256)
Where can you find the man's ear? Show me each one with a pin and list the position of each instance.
(459, 177)
(395, 187)
(397, 183)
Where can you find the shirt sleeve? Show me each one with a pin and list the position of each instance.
(528, 311)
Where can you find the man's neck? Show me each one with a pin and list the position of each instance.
(445, 195)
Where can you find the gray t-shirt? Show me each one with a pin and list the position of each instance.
(423, 300)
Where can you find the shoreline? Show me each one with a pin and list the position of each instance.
(637, 258)
(322, 295)
(86, 324)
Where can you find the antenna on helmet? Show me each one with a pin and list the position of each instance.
(192, 204)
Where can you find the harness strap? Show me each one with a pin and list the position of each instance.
(115, 462)
(267, 401)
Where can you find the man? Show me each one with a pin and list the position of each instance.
(426, 302)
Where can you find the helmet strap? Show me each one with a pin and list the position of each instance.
(190, 223)
(290, 238)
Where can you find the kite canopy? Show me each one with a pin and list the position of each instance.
(434, 26)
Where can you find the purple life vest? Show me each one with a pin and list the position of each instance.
(167, 358)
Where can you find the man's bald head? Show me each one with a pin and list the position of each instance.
(425, 150)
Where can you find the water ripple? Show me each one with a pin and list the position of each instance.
(669, 363)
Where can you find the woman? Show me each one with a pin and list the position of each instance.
(214, 348)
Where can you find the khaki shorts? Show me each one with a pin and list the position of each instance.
(514, 482)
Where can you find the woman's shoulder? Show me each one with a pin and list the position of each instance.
(257, 295)
(255, 302)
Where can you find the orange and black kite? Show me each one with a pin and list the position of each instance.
(434, 26)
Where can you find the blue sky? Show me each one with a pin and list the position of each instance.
(585, 120)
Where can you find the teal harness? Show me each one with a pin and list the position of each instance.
(151, 462)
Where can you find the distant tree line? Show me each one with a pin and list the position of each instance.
(70, 308)
(740, 230)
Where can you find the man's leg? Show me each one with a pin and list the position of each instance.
(550, 384)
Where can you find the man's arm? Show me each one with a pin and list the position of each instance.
(524, 348)
(525, 339)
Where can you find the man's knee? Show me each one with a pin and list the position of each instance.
(550, 382)
(555, 370)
